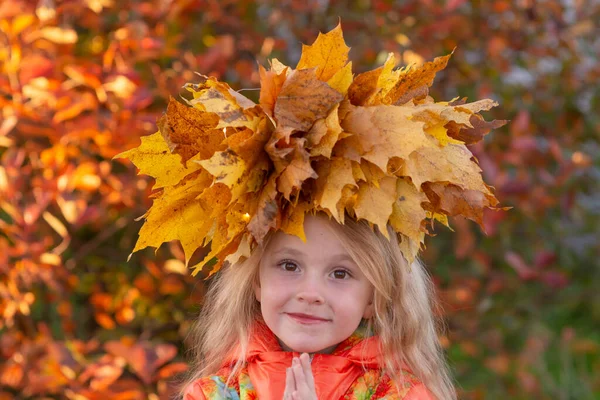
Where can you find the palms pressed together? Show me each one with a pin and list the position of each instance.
(299, 380)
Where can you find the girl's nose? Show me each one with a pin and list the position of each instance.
(310, 297)
(310, 292)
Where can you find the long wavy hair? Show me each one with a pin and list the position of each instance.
(404, 311)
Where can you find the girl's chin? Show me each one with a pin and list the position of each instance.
(307, 347)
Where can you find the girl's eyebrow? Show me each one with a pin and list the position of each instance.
(289, 250)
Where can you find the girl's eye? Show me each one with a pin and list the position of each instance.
(341, 274)
(288, 266)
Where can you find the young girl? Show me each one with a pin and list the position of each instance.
(358, 167)
(340, 316)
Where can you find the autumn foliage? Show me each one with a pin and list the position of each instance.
(83, 82)
(376, 146)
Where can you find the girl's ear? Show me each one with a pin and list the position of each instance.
(368, 310)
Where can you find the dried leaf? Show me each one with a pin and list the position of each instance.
(303, 100)
(375, 204)
(328, 54)
(189, 132)
(153, 158)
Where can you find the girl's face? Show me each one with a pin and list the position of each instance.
(312, 295)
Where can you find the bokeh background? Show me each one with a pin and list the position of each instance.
(82, 80)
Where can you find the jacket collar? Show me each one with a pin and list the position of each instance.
(334, 373)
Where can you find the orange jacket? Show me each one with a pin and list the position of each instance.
(351, 372)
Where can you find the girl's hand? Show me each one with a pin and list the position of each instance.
(299, 380)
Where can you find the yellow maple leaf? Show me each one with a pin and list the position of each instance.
(375, 203)
(176, 215)
(410, 247)
(293, 221)
(451, 163)
(328, 54)
(407, 211)
(153, 158)
(333, 176)
(342, 79)
(226, 166)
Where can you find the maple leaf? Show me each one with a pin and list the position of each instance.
(384, 132)
(266, 215)
(415, 81)
(175, 215)
(451, 163)
(375, 203)
(303, 99)
(342, 79)
(328, 54)
(270, 86)
(296, 172)
(226, 166)
(407, 212)
(479, 129)
(453, 200)
(293, 220)
(333, 176)
(153, 158)
(324, 134)
(189, 131)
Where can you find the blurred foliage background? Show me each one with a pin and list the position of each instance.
(82, 80)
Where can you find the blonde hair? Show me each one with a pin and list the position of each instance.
(404, 302)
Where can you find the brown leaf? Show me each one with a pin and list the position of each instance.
(415, 81)
(303, 100)
(271, 83)
(324, 134)
(266, 214)
(189, 131)
(297, 171)
(477, 132)
(453, 200)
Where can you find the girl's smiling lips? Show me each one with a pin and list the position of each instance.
(306, 318)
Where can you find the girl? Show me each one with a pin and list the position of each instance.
(341, 315)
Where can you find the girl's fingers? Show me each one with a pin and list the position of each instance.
(303, 389)
(301, 384)
(310, 379)
(290, 384)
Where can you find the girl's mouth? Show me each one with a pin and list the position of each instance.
(306, 319)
